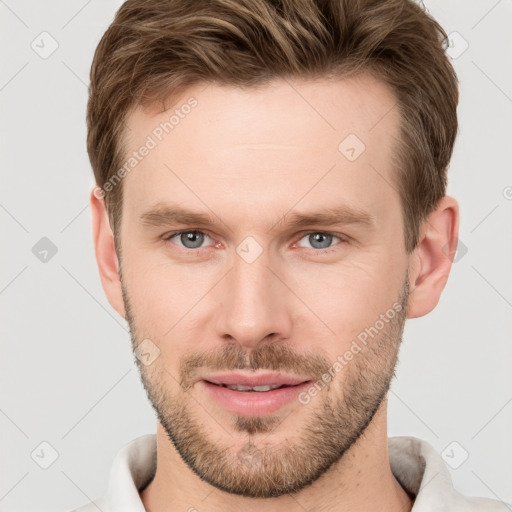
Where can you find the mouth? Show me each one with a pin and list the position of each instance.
(254, 395)
(259, 389)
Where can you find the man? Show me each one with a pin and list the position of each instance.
(270, 208)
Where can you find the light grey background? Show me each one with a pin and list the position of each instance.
(67, 375)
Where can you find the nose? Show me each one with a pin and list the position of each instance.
(255, 305)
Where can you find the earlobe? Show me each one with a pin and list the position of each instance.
(431, 261)
(106, 255)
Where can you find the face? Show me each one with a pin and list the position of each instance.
(262, 249)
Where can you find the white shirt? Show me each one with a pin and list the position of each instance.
(415, 464)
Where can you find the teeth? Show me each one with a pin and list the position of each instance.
(240, 387)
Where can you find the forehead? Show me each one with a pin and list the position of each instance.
(221, 145)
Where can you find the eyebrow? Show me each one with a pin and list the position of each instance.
(164, 215)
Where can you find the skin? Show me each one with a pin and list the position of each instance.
(248, 157)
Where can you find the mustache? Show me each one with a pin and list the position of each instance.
(275, 357)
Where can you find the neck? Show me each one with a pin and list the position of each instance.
(361, 480)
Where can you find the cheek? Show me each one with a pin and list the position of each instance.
(165, 297)
(350, 298)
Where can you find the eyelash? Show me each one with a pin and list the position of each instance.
(341, 237)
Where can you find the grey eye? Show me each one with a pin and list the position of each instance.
(320, 240)
(191, 239)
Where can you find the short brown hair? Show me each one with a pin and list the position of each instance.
(157, 48)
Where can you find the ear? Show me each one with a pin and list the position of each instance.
(106, 255)
(431, 261)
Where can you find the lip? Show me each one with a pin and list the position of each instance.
(254, 403)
